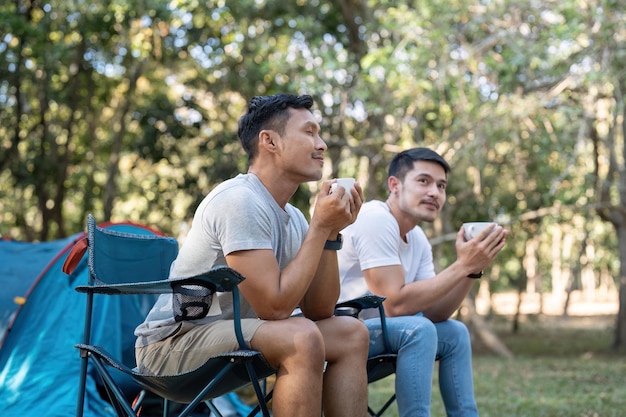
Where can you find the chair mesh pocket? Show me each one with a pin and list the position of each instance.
(192, 301)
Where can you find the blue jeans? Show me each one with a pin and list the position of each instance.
(418, 343)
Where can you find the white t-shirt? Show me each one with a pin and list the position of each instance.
(373, 240)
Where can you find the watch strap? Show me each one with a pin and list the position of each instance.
(334, 244)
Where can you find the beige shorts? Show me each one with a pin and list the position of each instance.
(192, 345)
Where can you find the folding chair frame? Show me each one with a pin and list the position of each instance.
(226, 372)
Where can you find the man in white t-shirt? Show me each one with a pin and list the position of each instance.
(248, 224)
(385, 252)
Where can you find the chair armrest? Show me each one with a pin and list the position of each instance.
(223, 278)
(364, 301)
(355, 306)
(360, 303)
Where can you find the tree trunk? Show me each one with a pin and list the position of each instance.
(619, 343)
(484, 332)
(615, 214)
(575, 274)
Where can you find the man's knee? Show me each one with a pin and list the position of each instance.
(306, 337)
(344, 336)
(422, 326)
(454, 340)
(294, 338)
(419, 332)
(457, 328)
(356, 331)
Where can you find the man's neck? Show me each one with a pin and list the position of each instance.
(405, 223)
(278, 187)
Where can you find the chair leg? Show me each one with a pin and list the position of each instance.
(166, 407)
(84, 364)
(82, 387)
(213, 408)
(192, 405)
(257, 389)
(257, 408)
(115, 394)
(384, 408)
(138, 401)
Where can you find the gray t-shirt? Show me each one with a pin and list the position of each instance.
(239, 214)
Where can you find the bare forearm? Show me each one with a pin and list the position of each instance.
(298, 278)
(435, 297)
(319, 301)
(444, 308)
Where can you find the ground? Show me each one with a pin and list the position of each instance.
(562, 366)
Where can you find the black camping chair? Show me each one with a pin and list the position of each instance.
(123, 263)
(384, 364)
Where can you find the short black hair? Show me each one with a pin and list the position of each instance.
(268, 112)
(403, 162)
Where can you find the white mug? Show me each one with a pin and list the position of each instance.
(346, 183)
(474, 228)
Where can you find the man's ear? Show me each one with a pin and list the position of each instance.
(268, 140)
(393, 183)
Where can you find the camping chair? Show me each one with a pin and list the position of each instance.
(122, 263)
(384, 364)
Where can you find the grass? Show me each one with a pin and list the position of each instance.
(562, 368)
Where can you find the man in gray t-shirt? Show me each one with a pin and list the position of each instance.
(248, 224)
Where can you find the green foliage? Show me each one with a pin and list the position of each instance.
(129, 109)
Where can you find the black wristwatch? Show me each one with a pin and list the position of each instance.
(476, 275)
(334, 244)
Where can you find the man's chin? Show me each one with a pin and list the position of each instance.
(428, 217)
(314, 177)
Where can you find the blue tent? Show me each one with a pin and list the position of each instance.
(41, 318)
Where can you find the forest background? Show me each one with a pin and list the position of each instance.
(128, 110)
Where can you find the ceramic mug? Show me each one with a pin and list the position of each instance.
(474, 228)
(346, 183)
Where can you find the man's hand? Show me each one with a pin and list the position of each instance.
(478, 253)
(334, 211)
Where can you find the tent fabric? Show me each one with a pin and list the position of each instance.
(20, 265)
(39, 366)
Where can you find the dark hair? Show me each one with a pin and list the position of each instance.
(403, 162)
(268, 112)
